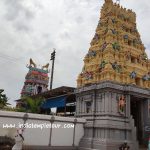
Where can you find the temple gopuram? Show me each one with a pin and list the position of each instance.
(117, 52)
(36, 80)
(113, 88)
(36, 86)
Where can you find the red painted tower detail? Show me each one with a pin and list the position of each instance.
(36, 80)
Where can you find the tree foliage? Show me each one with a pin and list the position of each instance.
(3, 99)
(33, 104)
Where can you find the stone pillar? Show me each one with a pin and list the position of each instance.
(77, 105)
(93, 102)
(128, 108)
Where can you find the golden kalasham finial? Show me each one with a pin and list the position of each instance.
(108, 1)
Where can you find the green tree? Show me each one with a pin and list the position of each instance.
(33, 104)
(3, 99)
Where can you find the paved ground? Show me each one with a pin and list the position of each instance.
(143, 148)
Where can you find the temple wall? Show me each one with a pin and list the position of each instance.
(107, 127)
(63, 133)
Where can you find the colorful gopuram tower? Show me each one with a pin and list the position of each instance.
(36, 80)
(113, 91)
(117, 52)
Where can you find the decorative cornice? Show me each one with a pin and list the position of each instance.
(116, 86)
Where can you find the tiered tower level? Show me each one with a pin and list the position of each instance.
(116, 52)
(36, 80)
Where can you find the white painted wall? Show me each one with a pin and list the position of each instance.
(62, 136)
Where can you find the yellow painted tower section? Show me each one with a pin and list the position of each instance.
(116, 52)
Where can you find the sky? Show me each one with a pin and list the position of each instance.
(32, 28)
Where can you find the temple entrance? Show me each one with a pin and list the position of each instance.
(137, 113)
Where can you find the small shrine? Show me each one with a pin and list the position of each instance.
(36, 80)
